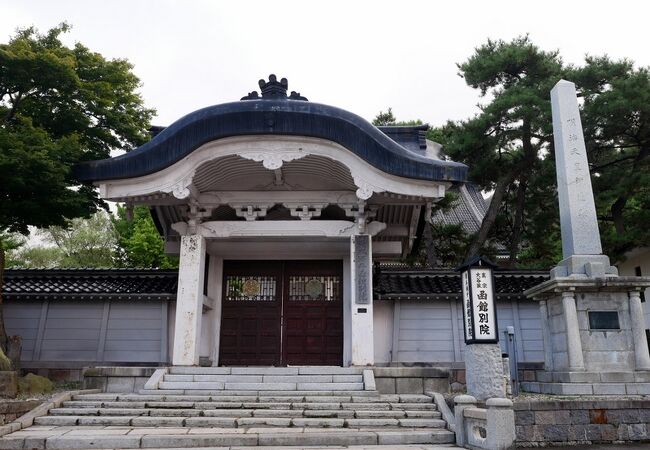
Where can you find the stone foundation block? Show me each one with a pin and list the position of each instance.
(409, 386)
(436, 385)
(385, 385)
(609, 389)
(637, 388)
(120, 384)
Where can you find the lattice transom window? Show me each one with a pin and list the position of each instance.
(250, 288)
(311, 288)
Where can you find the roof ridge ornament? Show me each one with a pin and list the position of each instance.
(274, 90)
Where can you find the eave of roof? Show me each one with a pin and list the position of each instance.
(271, 116)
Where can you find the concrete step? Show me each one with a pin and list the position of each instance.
(301, 370)
(264, 378)
(209, 393)
(324, 410)
(235, 421)
(261, 386)
(301, 437)
(253, 403)
(241, 417)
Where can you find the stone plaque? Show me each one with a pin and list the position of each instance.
(362, 268)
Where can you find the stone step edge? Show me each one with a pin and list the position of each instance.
(155, 421)
(323, 439)
(225, 392)
(270, 413)
(297, 370)
(263, 397)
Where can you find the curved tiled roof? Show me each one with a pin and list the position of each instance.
(435, 284)
(66, 284)
(155, 284)
(274, 114)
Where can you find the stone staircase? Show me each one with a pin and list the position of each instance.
(233, 407)
(214, 380)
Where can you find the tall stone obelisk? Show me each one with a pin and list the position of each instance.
(592, 319)
(581, 247)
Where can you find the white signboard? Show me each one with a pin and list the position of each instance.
(479, 306)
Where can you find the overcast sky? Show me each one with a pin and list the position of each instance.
(363, 56)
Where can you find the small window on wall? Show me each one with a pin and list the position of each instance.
(604, 320)
(637, 272)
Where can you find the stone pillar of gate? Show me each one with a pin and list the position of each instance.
(189, 301)
(362, 336)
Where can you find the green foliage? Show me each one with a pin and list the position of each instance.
(59, 106)
(85, 242)
(616, 121)
(508, 147)
(508, 143)
(388, 119)
(81, 243)
(36, 258)
(34, 384)
(102, 240)
(140, 244)
(450, 243)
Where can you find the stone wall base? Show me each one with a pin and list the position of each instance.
(412, 380)
(117, 379)
(589, 383)
(10, 410)
(541, 423)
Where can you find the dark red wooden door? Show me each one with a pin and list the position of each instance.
(251, 312)
(313, 313)
(282, 313)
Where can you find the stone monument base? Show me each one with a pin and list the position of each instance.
(590, 383)
(484, 371)
(594, 337)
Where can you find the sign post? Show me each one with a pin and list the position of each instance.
(479, 305)
(483, 361)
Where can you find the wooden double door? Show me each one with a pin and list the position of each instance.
(278, 313)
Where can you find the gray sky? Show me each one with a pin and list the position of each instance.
(363, 56)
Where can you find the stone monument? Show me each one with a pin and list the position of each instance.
(592, 319)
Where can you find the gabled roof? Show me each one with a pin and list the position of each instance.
(274, 113)
(468, 210)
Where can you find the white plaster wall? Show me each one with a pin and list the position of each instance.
(383, 328)
(638, 258)
(171, 327)
(432, 331)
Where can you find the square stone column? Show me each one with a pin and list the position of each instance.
(189, 301)
(362, 335)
